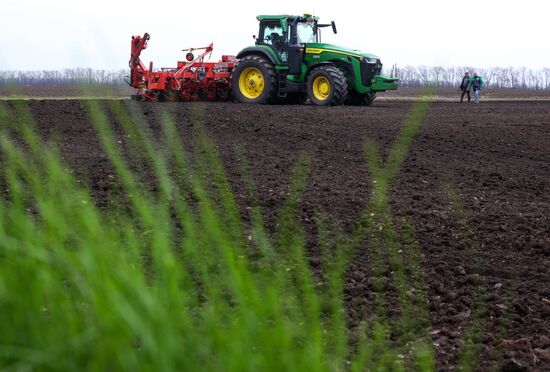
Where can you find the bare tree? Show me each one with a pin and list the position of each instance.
(74, 76)
(409, 76)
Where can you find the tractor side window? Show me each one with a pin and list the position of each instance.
(306, 32)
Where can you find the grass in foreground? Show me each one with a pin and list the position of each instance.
(174, 280)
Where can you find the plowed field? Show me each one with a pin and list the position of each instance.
(495, 156)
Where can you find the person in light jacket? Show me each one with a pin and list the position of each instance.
(477, 84)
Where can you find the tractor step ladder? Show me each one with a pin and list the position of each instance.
(281, 92)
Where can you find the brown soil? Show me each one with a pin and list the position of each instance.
(496, 154)
(64, 91)
(486, 94)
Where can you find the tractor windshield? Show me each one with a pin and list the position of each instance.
(307, 32)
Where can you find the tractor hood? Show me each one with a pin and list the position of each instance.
(318, 48)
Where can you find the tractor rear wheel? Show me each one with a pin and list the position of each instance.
(254, 80)
(327, 86)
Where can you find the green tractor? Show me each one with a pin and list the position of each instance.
(289, 63)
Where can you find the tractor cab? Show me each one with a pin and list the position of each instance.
(288, 37)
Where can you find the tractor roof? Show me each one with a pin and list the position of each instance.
(284, 16)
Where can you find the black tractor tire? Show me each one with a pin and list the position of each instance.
(360, 99)
(269, 78)
(337, 83)
(369, 98)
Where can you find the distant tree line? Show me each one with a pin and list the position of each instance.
(410, 76)
(70, 76)
(496, 77)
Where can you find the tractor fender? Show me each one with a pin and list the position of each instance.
(259, 51)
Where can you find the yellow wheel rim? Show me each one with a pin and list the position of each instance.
(251, 82)
(321, 88)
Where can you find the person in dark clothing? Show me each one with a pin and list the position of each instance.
(465, 87)
(477, 84)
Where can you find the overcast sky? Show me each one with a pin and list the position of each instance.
(56, 34)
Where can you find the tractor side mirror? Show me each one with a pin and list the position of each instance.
(254, 37)
(329, 24)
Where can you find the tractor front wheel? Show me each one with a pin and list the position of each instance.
(327, 86)
(254, 80)
(360, 99)
(369, 98)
